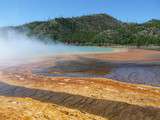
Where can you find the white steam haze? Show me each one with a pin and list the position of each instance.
(15, 46)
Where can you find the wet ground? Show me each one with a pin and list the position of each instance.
(78, 82)
(148, 74)
(83, 67)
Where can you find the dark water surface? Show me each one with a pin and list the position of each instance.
(148, 74)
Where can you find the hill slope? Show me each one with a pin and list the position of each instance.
(97, 29)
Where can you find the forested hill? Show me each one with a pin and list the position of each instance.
(97, 29)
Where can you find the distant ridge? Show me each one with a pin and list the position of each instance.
(95, 29)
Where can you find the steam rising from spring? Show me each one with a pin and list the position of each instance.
(18, 48)
(15, 46)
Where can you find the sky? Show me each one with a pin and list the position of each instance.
(16, 12)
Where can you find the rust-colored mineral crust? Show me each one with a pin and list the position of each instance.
(25, 95)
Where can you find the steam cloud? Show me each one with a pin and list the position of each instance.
(15, 46)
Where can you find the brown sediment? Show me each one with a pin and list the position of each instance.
(77, 98)
(143, 70)
(132, 55)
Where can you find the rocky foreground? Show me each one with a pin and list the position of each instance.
(25, 95)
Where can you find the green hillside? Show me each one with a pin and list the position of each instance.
(97, 29)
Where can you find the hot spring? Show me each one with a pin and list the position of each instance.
(18, 48)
